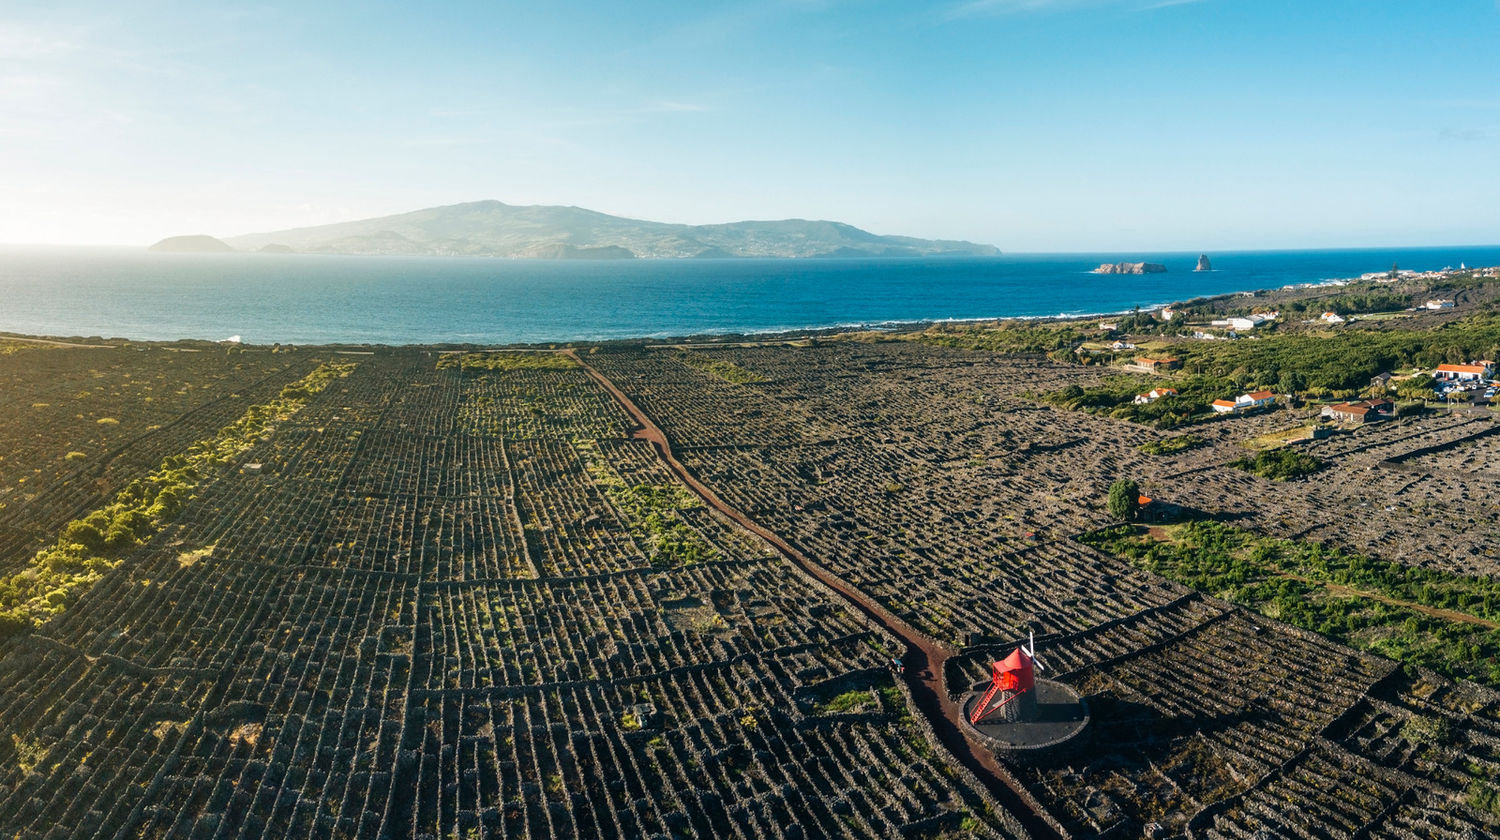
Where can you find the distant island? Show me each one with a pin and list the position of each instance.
(1130, 268)
(192, 244)
(1204, 264)
(495, 229)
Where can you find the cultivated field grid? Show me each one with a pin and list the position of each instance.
(929, 478)
(434, 603)
(469, 601)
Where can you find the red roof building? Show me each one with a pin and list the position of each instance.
(1158, 364)
(1461, 372)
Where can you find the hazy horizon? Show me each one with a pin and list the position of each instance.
(1037, 126)
(1121, 251)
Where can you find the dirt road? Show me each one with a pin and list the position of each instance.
(924, 658)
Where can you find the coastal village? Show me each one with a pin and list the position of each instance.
(1470, 382)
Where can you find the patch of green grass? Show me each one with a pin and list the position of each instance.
(850, 701)
(506, 360)
(29, 752)
(91, 546)
(725, 370)
(1018, 338)
(1483, 797)
(1418, 616)
(651, 512)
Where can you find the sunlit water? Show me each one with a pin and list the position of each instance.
(401, 300)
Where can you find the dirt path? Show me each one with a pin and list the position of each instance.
(1435, 612)
(924, 659)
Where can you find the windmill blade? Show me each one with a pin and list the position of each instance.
(1031, 652)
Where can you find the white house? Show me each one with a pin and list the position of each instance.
(1256, 399)
(1439, 304)
(1332, 318)
(1244, 402)
(1464, 373)
(1249, 322)
(1154, 394)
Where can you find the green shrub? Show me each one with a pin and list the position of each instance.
(725, 370)
(1278, 464)
(88, 547)
(1390, 611)
(505, 360)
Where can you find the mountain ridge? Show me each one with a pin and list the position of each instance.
(494, 229)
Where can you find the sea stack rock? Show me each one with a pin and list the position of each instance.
(1203, 263)
(1130, 268)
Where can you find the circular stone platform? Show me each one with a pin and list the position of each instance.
(1060, 716)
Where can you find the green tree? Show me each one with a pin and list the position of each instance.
(1418, 387)
(1124, 499)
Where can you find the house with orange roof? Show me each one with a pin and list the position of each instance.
(1360, 412)
(1158, 365)
(1154, 394)
(1464, 373)
(1244, 402)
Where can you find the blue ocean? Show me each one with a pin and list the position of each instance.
(303, 299)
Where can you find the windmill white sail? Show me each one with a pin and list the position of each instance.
(1030, 649)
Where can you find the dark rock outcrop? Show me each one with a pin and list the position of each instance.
(1203, 263)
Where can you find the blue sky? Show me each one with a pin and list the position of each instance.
(1034, 125)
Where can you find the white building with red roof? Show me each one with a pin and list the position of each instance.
(1154, 394)
(1244, 402)
(1462, 373)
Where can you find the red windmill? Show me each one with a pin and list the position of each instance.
(1012, 686)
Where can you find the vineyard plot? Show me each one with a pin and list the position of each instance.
(447, 602)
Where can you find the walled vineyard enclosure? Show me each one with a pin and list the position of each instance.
(469, 603)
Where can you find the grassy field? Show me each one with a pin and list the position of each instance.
(1438, 620)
